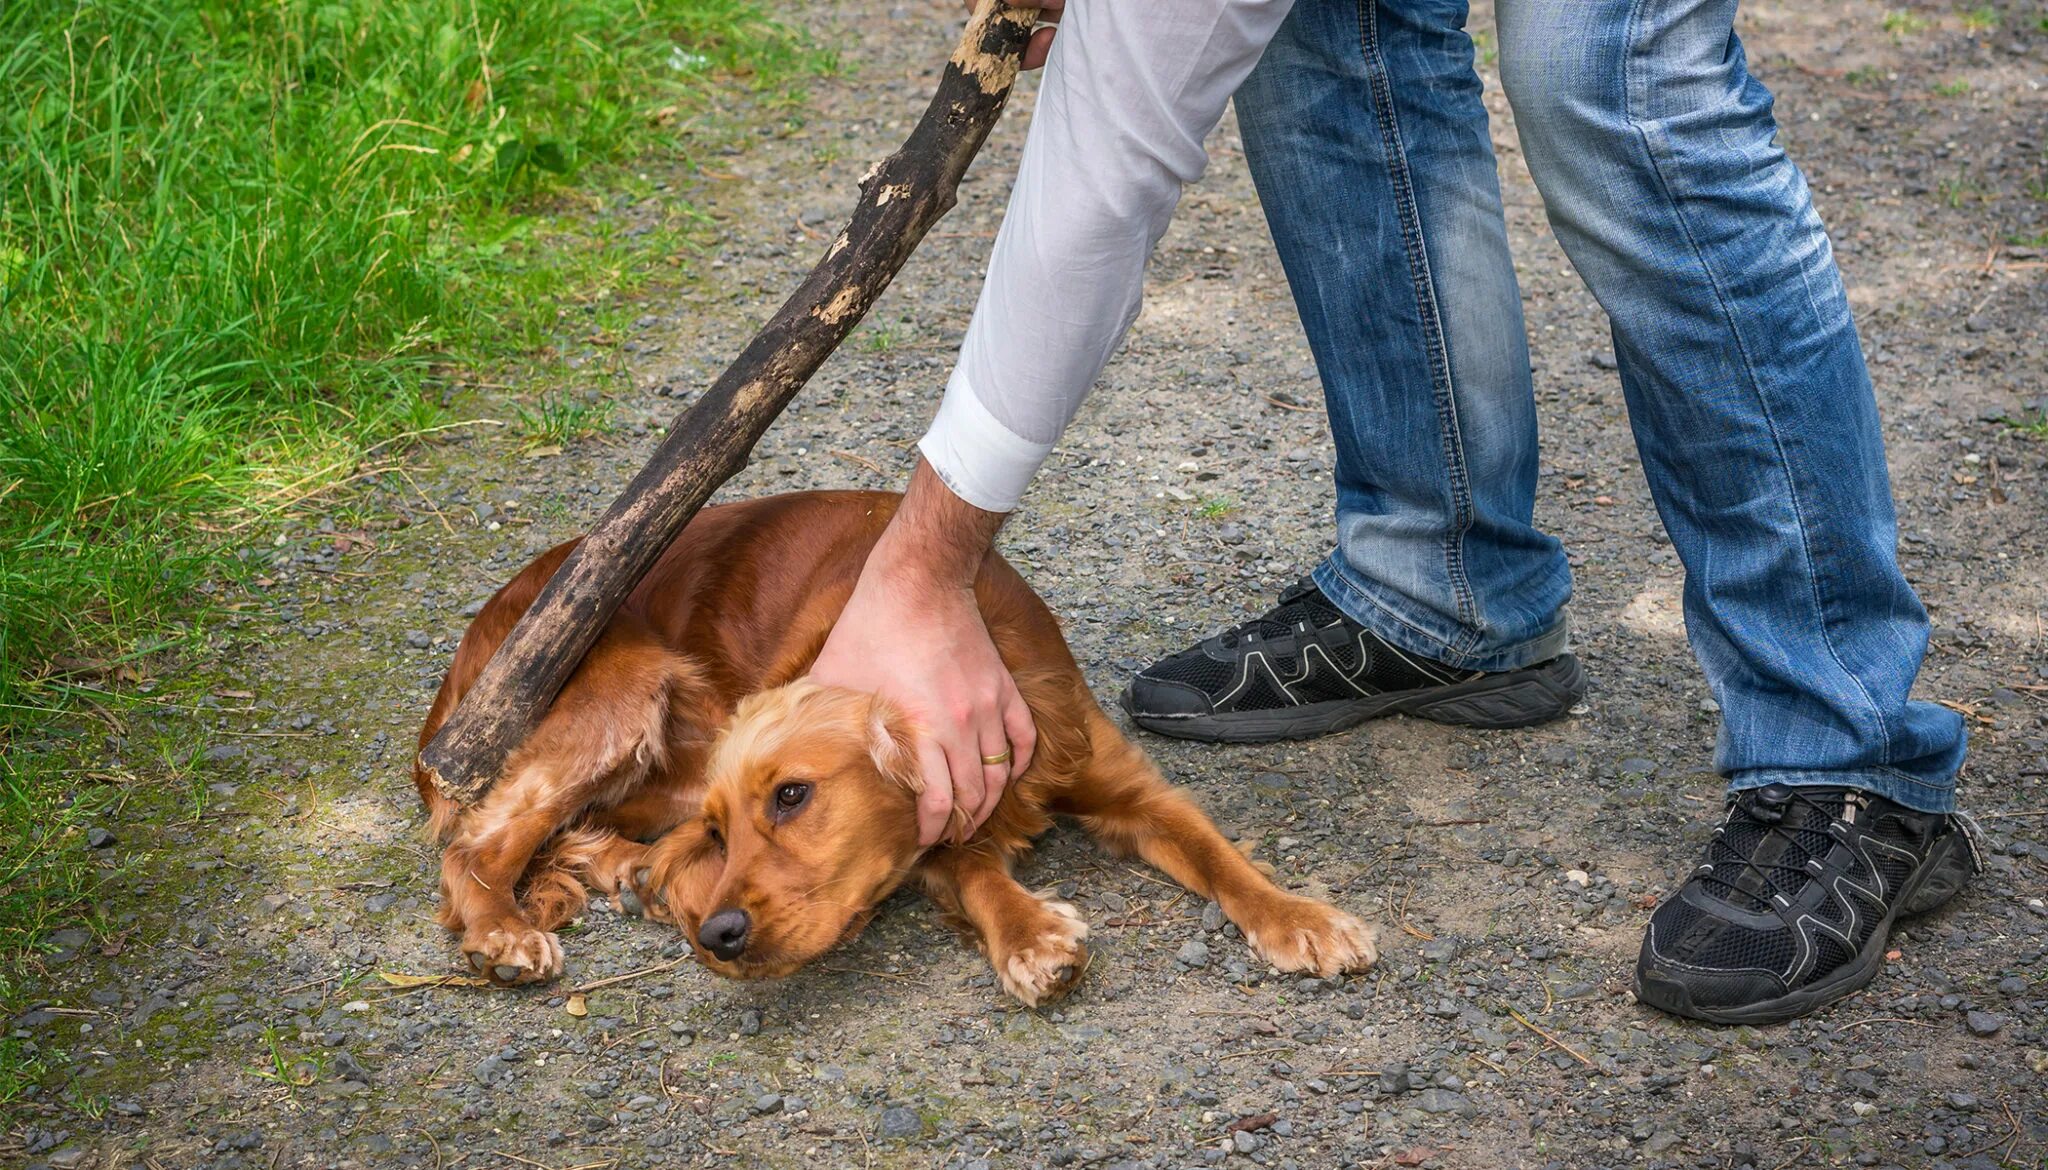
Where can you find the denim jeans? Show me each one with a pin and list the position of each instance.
(1656, 155)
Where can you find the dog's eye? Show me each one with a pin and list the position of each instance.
(791, 796)
(716, 838)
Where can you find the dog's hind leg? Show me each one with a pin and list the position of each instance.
(1122, 800)
(1036, 945)
(606, 732)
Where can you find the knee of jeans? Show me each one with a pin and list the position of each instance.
(1557, 99)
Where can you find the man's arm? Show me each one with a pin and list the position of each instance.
(912, 631)
(1130, 91)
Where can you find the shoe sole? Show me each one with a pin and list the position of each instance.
(1947, 870)
(1514, 698)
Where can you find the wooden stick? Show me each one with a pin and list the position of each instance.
(900, 198)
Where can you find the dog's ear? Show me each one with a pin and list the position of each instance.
(890, 745)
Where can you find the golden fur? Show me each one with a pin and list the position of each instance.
(688, 769)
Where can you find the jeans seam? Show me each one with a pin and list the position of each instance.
(1638, 117)
(1410, 216)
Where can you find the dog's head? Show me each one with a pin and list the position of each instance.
(809, 821)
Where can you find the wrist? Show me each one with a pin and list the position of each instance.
(936, 542)
(903, 564)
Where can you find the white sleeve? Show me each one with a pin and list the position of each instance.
(1131, 90)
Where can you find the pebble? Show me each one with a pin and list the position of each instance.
(1446, 1101)
(97, 838)
(1983, 1023)
(898, 1122)
(1193, 953)
(768, 1103)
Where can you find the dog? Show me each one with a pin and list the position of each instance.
(690, 771)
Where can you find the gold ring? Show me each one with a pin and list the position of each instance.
(992, 761)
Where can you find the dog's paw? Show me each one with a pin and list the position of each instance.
(637, 895)
(1050, 960)
(514, 954)
(1302, 934)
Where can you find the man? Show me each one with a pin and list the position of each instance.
(1656, 157)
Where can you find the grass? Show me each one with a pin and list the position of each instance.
(1956, 88)
(882, 338)
(557, 420)
(1981, 19)
(2032, 424)
(243, 243)
(1902, 24)
(1959, 190)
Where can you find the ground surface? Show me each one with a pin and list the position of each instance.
(228, 1012)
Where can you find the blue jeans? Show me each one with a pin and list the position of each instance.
(1752, 409)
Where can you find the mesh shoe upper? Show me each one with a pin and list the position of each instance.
(1795, 883)
(1304, 650)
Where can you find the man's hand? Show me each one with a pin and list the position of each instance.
(913, 634)
(1041, 39)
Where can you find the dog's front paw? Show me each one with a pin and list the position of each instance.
(514, 953)
(1049, 958)
(1302, 934)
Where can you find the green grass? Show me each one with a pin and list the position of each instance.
(2032, 424)
(1960, 190)
(556, 420)
(882, 338)
(242, 242)
(1981, 19)
(1902, 24)
(1956, 88)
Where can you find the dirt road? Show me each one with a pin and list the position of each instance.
(225, 1008)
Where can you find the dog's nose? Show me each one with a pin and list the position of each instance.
(725, 934)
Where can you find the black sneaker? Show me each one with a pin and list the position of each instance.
(1304, 669)
(1792, 907)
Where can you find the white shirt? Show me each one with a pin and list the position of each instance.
(1130, 91)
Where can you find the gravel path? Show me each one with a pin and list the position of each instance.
(225, 1008)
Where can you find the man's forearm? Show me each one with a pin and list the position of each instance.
(1130, 92)
(937, 539)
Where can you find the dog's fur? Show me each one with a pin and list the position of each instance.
(656, 777)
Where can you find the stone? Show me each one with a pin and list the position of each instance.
(1446, 1101)
(1983, 1023)
(899, 1123)
(1193, 953)
(97, 838)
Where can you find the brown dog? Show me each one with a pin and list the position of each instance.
(780, 812)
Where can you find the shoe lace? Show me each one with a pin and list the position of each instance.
(1301, 603)
(1801, 821)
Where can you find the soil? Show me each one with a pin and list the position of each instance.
(227, 1009)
